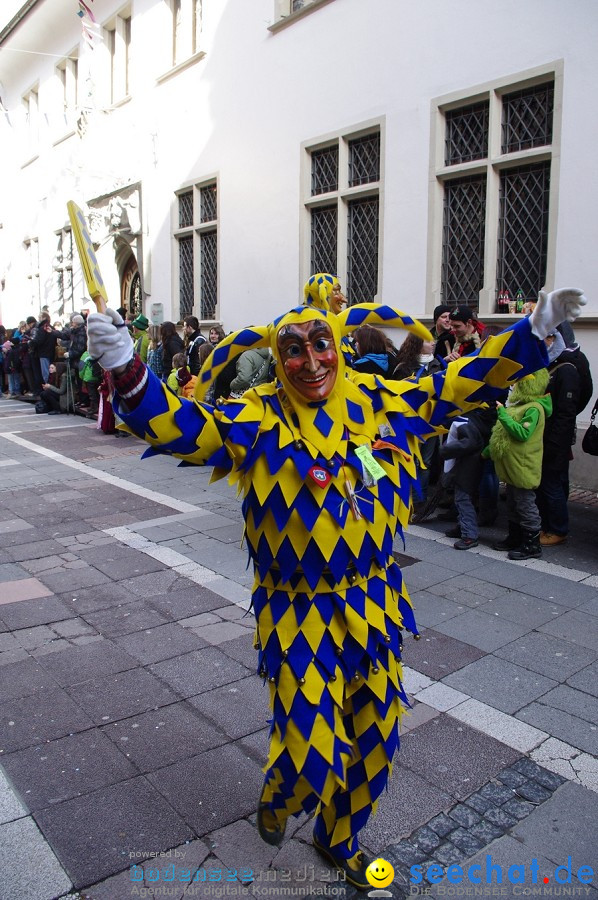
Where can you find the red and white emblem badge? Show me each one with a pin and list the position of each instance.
(320, 476)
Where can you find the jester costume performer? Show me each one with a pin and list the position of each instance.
(326, 462)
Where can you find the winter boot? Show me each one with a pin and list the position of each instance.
(529, 548)
(512, 540)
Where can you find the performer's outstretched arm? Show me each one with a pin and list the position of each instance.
(482, 377)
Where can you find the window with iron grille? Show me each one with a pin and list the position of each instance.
(186, 293)
(324, 231)
(494, 222)
(344, 225)
(527, 118)
(364, 160)
(523, 228)
(207, 196)
(196, 233)
(186, 209)
(362, 250)
(463, 240)
(324, 170)
(466, 134)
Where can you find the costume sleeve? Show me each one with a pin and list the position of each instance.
(472, 380)
(197, 433)
(523, 430)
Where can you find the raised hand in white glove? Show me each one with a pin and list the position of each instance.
(554, 308)
(108, 339)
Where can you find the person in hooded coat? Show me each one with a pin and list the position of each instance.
(516, 450)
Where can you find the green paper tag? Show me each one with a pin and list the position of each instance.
(369, 463)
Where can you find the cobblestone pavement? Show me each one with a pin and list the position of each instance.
(133, 726)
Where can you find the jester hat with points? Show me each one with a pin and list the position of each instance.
(321, 423)
(317, 290)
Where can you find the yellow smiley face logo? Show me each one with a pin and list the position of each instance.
(379, 873)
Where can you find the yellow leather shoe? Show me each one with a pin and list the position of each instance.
(551, 540)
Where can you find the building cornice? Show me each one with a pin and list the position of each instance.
(16, 20)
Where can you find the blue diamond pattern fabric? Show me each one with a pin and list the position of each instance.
(328, 597)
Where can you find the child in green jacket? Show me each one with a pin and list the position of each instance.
(516, 449)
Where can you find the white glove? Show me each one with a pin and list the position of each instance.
(65, 356)
(108, 339)
(554, 308)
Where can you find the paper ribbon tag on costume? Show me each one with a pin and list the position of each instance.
(320, 476)
(370, 464)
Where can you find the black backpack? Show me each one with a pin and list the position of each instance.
(586, 388)
(580, 363)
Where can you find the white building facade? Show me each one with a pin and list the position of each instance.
(224, 150)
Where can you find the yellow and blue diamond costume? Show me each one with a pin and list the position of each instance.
(329, 599)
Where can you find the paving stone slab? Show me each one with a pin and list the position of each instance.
(547, 655)
(155, 644)
(455, 758)
(72, 628)
(65, 768)
(212, 789)
(499, 683)
(449, 854)
(91, 599)
(397, 814)
(125, 619)
(430, 609)
(117, 558)
(442, 825)
(232, 533)
(533, 792)
(12, 572)
(504, 853)
(512, 778)
(76, 579)
(40, 717)
(458, 563)
(26, 613)
(454, 588)
(562, 725)
(199, 671)
(524, 609)
(119, 696)
(530, 769)
(221, 632)
(576, 627)
(164, 736)
(30, 638)
(578, 703)
(83, 831)
(437, 654)
(78, 664)
(239, 708)
(239, 846)
(22, 678)
(28, 868)
(180, 604)
(558, 590)
(482, 630)
(10, 806)
(416, 716)
(586, 679)
(8, 657)
(147, 585)
(423, 575)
